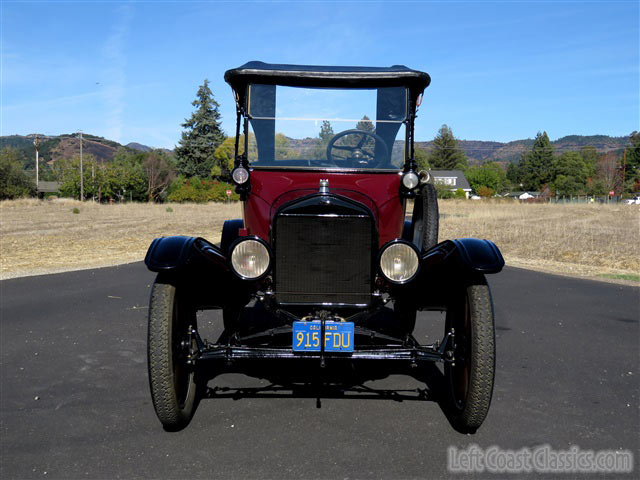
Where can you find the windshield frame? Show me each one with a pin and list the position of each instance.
(245, 117)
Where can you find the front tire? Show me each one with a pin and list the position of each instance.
(171, 378)
(470, 378)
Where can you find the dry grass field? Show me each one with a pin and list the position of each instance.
(46, 236)
(582, 240)
(593, 240)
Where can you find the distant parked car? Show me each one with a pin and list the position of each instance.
(633, 201)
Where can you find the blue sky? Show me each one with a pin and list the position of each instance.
(500, 70)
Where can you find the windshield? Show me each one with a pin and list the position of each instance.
(326, 128)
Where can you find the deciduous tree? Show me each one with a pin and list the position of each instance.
(489, 175)
(67, 172)
(632, 167)
(608, 176)
(283, 147)
(160, 172)
(422, 159)
(14, 181)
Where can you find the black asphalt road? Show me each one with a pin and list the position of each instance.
(75, 400)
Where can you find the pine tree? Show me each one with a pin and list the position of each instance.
(537, 166)
(513, 175)
(445, 153)
(326, 131)
(571, 174)
(366, 125)
(202, 135)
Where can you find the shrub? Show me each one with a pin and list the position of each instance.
(199, 190)
(75, 210)
(485, 192)
(460, 194)
(443, 191)
(169, 209)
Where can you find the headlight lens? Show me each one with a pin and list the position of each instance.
(410, 180)
(250, 259)
(399, 262)
(240, 175)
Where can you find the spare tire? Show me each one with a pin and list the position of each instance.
(426, 218)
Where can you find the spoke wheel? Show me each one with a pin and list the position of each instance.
(171, 378)
(470, 377)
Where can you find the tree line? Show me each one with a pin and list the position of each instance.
(584, 172)
(198, 170)
(200, 167)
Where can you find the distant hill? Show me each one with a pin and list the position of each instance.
(138, 146)
(145, 148)
(68, 145)
(483, 151)
(478, 151)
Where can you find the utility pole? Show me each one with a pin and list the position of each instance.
(624, 171)
(35, 142)
(81, 174)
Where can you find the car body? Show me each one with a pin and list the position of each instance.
(633, 201)
(323, 248)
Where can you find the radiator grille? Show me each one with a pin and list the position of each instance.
(323, 259)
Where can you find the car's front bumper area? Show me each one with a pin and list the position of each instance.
(374, 338)
(275, 343)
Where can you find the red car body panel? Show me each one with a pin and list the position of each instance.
(378, 191)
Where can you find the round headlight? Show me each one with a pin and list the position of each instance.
(410, 180)
(250, 259)
(240, 175)
(399, 262)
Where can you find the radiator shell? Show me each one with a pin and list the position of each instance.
(324, 251)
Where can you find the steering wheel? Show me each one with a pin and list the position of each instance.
(357, 155)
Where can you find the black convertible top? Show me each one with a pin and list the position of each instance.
(326, 76)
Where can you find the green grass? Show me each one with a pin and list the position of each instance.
(634, 277)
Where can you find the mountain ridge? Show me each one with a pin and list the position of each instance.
(52, 148)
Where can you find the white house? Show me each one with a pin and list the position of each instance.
(454, 179)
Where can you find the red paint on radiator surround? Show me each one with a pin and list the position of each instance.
(378, 191)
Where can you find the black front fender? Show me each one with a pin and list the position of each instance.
(471, 254)
(447, 266)
(174, 254)
(200, 268)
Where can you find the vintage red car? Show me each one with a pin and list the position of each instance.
(323, 247)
